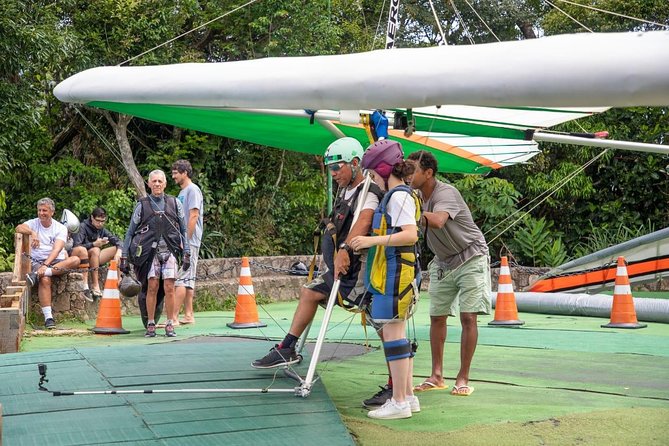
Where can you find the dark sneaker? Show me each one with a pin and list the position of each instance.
(277, 357)
(49, 324)
(380, 397)
(88, 295)
(150, 331)
(32, 279)
(169, 331)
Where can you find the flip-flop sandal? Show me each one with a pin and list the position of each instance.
(426, 386)
(462, 390)
(182, 322)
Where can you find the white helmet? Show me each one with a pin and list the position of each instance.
(70, 221)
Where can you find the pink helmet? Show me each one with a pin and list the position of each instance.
(382, 156)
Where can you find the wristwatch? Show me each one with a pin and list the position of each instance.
(347, 248)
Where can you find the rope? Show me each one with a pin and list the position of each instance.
(482, 21)
(436, 19)
(614, 13)
(462, 22)
(544, 196)
(378, 24)
(188, 32)
(572, 18)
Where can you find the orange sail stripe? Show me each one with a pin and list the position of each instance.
(588, 278)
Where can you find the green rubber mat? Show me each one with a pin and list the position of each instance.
(555, 380)
(33, 417)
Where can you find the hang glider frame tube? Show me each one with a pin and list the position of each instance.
(604, 143)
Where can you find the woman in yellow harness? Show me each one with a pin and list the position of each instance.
(391, 264)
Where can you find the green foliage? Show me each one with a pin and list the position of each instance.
(266, 201)
(206, 301)
(603, 237)
(537, 244)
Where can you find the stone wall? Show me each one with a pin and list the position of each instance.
(219, 278)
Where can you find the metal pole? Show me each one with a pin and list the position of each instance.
(605, 143)
(308, 380)
(126, 392)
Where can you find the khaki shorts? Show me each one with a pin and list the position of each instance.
(465, 289)
(187, 278)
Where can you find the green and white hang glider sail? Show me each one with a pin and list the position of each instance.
(509, 92)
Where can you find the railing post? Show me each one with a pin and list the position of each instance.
(21, 262)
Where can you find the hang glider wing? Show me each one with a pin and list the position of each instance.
(264, 101)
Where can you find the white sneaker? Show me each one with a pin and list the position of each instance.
(414, 403)
(392, 410)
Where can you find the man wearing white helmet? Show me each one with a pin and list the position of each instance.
(48, 255)
(343, 159)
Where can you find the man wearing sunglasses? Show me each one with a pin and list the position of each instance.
(102, 246)
(343, 159)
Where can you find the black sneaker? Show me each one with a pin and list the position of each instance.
(277, 357)
(88, 295)
(150, 331)
(50, 324)
(380, 397)
(32, 279)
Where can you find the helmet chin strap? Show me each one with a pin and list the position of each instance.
(354, 173)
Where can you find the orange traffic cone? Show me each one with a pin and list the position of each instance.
(623, 314)
(246, 312)
(506, 312)
(109, 311)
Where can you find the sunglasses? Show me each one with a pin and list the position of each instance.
(336, 166)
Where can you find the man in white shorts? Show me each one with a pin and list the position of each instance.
(48, 255)
(155, 241)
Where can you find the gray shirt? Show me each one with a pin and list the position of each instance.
(460, 239)
(191, 198)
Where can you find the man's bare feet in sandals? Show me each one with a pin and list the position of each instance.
(427, 385)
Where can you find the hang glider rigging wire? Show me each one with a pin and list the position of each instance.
(545, 195)
(482, 21)
(190, 31)
(664, 25)
(569, 16)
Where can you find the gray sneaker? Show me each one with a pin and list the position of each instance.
(32, 279)
(88, 295)
(380, 397)
(277, 357)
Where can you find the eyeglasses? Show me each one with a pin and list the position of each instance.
(336, 166)
(101, 221)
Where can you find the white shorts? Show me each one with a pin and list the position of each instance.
(167, 270)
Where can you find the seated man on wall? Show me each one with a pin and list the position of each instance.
(48, 256)
(93, 237)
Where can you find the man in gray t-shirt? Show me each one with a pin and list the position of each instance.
(191, 200)
(459, 272)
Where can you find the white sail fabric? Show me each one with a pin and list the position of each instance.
(576, 70)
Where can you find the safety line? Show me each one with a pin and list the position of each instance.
(188, 32)
(614, 13)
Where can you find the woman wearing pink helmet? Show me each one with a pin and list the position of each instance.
(392, 265)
